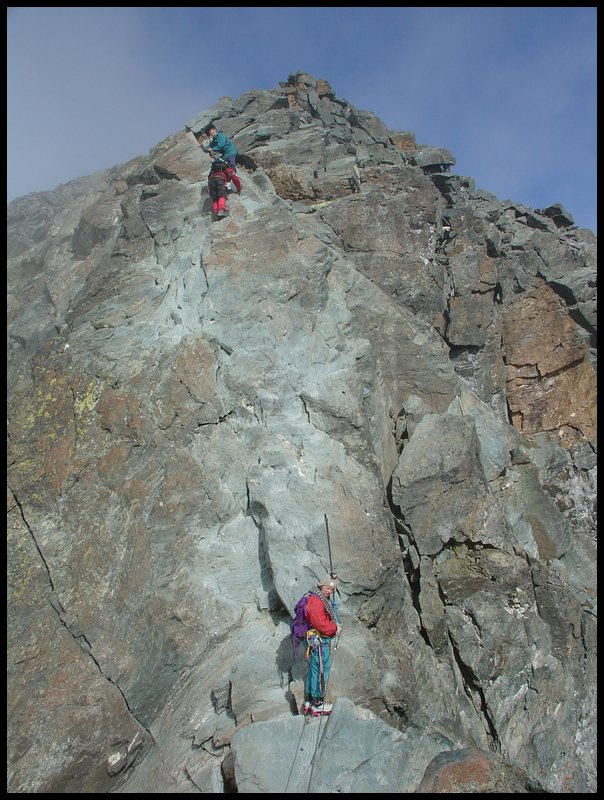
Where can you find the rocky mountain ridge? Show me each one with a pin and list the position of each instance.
(367, 338)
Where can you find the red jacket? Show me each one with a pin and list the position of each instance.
(318, 616)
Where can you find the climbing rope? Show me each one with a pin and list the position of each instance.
(306, 720)
(321, 718)
(295, 757)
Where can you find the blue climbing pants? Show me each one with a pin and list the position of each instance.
(319, 664)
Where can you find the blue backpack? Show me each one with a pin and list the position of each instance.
(299, 626)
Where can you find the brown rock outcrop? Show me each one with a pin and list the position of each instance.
(550, 381)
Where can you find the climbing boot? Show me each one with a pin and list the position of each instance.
(321, 709)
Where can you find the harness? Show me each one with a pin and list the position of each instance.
(314, 640)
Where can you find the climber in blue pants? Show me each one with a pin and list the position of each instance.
(322, 616)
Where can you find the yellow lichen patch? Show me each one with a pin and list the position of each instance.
(52, 418)
(85, 399)
(23, 567)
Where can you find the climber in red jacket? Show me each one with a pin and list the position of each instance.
(220, 175)
(322, 615)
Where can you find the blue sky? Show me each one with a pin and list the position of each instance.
(511, 92)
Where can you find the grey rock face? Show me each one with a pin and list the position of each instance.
(366, 338)
(351, 751)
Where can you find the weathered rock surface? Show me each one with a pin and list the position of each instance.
(366, 338)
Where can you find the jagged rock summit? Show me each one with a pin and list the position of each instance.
(366, 338)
